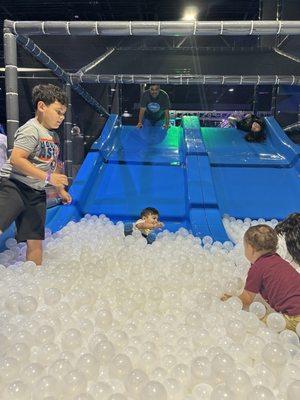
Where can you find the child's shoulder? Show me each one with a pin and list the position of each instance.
(28, 127)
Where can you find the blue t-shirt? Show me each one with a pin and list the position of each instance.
(155, 106)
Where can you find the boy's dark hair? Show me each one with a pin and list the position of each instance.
(289, 228)
(255, 137)
(48, 94)
(149, 211)
(262, 238)
(154, 84)
(260, 122)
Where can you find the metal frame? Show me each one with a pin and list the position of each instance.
(189, 79)
(18, 31)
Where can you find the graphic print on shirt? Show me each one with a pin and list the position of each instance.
(153, 107)
(48, 151)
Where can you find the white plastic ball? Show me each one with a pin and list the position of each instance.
(276, 322)
(258, 309)
(154, 390)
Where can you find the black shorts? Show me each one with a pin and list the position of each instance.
(25, 206)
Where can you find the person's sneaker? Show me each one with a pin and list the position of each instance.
(232, 120)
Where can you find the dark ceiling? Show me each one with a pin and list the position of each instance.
(132, 10)
(126, 10)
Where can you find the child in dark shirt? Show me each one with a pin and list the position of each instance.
(253, 125)
(271, 276)
(289, 231)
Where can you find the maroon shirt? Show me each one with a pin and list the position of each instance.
(278, 283)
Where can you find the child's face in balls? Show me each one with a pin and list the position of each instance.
(255, 127)
(151, 218)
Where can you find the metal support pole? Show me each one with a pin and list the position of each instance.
(254, 102)
(153, 28)
(95, 62)
(41, 56)
(11, 87)
(299, 113)
(177, 79)
(274, 100)
(120, 94)
(68, 145)
(278, 18)
(278, 10)
(260, 11)
(115, 107)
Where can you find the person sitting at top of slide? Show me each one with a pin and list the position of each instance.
(154, 108)
(249, 123)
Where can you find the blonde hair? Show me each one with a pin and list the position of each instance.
(262, 238)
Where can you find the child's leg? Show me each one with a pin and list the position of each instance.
(11, 203)
(292, 321)
(31, 223)
(35, 251)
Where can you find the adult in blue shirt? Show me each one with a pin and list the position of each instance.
(154, 108)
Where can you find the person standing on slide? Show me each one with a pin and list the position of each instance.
(154, 108)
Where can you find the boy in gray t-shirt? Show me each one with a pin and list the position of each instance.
(32, 165)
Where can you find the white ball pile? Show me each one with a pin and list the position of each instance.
(109, 317)
(235, 228)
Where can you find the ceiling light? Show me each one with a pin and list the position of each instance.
(231, 90)
(190, 13)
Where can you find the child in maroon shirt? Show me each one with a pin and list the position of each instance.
(271, 276)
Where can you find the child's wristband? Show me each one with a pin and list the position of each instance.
(48, 178)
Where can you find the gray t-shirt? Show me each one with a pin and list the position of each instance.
(3, 146)
(155, 106)
(43, 146)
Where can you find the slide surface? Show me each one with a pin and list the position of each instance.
(129, 169)
(254, 179)
(192, 175)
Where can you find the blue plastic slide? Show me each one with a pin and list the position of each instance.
(254, 179)
(192, 175)
(129, 169)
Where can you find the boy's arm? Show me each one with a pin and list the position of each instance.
(167, 118)
(246, 297)
(144, 225)
(141, 116)
(19, 160)
(63, 194)
(148, 225)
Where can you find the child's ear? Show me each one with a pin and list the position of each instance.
(41, 106)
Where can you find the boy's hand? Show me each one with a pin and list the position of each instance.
(166, 126)
(65, 196)
(225, 297)
(58, 180)
(139, 125)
